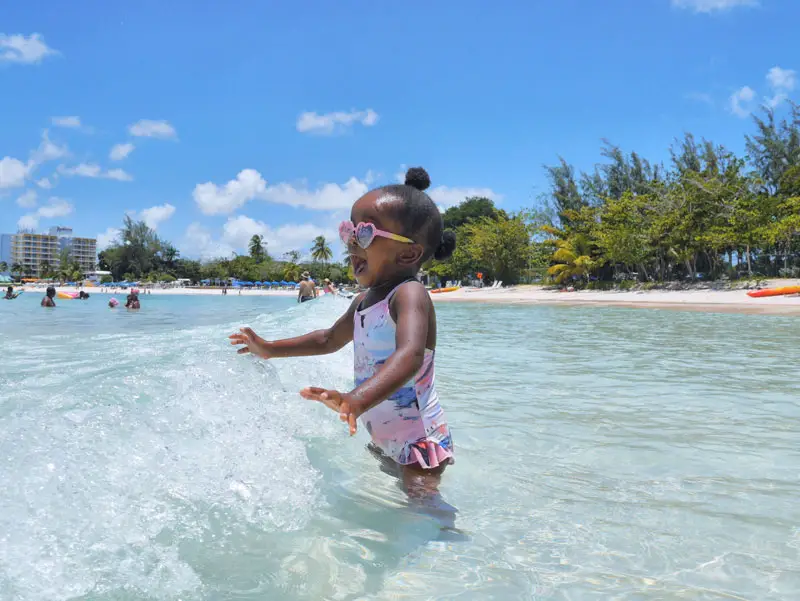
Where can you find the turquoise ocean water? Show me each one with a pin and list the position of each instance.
(602, 454)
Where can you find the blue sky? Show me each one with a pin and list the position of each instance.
(214, 121)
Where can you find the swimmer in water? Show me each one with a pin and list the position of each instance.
(113, 303)
(48, 300)
(328, 286)
(307, 291)
(132, 302)
(392, 231)
(10, 294)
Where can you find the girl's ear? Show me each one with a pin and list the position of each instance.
(410, 255)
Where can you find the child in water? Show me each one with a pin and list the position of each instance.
(392, 231)
(48, 301)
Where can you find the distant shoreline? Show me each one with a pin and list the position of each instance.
(726, 301)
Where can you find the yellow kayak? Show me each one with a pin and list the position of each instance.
(450, 289)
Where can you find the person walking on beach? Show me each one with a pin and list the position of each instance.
(48, 300)
(393, 230)
(307, 291)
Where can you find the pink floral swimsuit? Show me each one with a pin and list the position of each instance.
(410, 425)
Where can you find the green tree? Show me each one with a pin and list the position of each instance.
(3, 266)
(16, 269)
(321, 250)
(471, 209)
(574, 258)
(499, 247)
(256, 247)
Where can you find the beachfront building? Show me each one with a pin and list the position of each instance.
(31, 251)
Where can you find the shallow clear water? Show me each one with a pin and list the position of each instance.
(601, 454)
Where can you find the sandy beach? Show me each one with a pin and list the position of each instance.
(730, 301)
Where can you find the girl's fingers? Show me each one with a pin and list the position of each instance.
(242, 351)
(353, 423)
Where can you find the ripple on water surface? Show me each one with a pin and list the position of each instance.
(601, 454)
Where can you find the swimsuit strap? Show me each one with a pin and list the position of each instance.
(396, 288)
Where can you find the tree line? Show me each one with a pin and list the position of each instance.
(707, 213)
(140, 255)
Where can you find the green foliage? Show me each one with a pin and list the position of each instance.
(321, 250)
(472, 209)
(630, 217)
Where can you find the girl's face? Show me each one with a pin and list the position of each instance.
(384, 259)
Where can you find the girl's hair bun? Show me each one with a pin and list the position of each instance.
(446, 246)
(418, 178)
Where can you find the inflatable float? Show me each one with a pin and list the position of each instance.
(67, 295)
(439, 290)
(774, 291)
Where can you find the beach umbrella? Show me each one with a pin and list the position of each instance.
(292, 283)
(275, 283)
(258, 283)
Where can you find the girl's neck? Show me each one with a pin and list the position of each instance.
(380, 291)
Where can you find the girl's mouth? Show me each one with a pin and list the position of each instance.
(359, 264)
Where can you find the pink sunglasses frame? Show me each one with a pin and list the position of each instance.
(348, 232)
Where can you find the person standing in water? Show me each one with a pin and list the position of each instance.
(307, 291)
(328, 286)
(10, 294)
(132, 302)
(392, 231)
(50, 295)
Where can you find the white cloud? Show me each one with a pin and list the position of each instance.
(330, 123)
(44, 183)
(73, 122)
(27, 200)
(120, 151)
(12, 172)
(742, 101)
(154, 216)
(238, 230)
(94, 170)
(55, 207)
(20, 49)
(107, 238)
(782, 79)
(216, 200)
(447, 197)
(28, 222)
(147, 128)
(249, 184)
(328, 196)
(710, 6)
(119, 174)
(198, 242)
(48, 150)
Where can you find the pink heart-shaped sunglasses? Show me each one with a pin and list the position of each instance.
(364, 234)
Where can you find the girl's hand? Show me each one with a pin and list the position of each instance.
(253, 343)
(341, 403)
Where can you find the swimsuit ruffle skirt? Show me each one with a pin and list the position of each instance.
(410, 425)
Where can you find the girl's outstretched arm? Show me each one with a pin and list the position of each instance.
(412, 306)
(318, 342)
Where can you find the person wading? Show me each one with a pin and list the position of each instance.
(307, 290)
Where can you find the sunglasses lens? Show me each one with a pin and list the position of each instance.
(365, 234)
(345, 232)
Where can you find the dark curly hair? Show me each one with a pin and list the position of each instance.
(420, 216)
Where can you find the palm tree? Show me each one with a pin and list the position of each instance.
(45, 269)
(257, 247)
(16, 268)
(573, 258)
(3, 266)
(321, 250)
